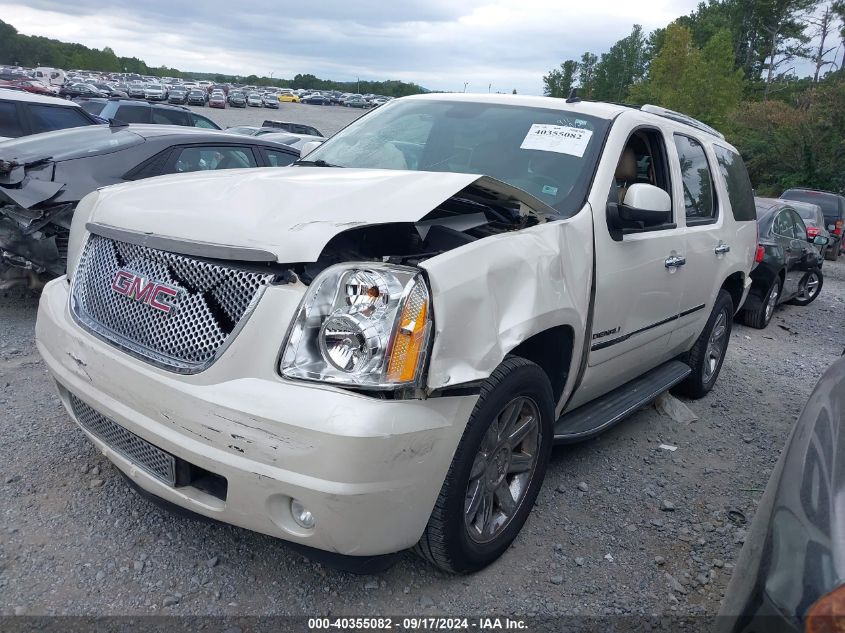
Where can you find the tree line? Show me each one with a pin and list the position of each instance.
(732, 64)
(32, 51)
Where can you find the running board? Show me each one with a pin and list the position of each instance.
(597, 416)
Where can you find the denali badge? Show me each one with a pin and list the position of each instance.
(136, 287)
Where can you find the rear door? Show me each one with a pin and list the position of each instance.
(706, 233)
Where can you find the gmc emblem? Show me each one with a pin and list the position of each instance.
(148, 292)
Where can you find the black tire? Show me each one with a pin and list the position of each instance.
(446, 541)
(759, 317)
(806, 298)
(705, 369)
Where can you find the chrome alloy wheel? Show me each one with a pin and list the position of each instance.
(502, 469)
(772, 302)
(716, 345)
(811, 286)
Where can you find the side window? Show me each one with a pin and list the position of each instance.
(782, 225)
(799, 230)
(133, 114)
(643, 161)
(10, 125)
(201, 121)
(209, 158)
(699, 196)
(166, 116)
(278, 159)
(48, 118)
(738, 184)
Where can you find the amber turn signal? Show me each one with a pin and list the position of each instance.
(827, 615)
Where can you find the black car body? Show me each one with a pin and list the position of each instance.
(137, 111)
(23, 113)
(794, 553)
(317, 100)
(71, 91)
(177, 96)
(197, 97)
(833, 208)
(236, 100)
(788, 263)
(43, 177)
(294, 128)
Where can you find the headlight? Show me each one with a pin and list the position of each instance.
(365, 325)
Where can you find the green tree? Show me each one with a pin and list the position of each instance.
(559, 81)
(700, 82)
(587, 74)
(621, 67)
(782, 23)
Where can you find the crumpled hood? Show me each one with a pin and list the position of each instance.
(290, 212)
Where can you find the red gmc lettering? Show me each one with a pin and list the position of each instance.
(161, 290)
(139, 293)
(120, 283)
(148, 292)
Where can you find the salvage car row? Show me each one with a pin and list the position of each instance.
(76, 84)
(603, 252)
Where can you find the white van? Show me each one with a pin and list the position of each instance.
(51, 76)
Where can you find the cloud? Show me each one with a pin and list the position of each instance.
(438, 43)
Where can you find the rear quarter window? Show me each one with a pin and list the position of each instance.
(133, 114)
(48, 118)
(10, 125)
(735, 175)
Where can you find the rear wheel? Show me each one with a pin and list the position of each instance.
(707, 355)
(811, 286)
(760, 316)
(496, 472)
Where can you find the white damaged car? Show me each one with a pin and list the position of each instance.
(377, 349)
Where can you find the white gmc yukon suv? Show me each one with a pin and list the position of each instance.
(377, 349)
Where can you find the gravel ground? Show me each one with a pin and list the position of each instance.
(620, 526)
(327, 119)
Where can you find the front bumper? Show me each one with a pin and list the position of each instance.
(368, 469)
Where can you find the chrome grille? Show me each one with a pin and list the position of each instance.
(137, 450)
(212, 303)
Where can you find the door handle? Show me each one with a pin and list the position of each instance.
(675, 261)
(721, 249)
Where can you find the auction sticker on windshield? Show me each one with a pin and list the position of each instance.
(557, 138)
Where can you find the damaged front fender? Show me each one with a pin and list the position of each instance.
(493, 294)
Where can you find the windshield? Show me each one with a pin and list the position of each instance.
(549, 153)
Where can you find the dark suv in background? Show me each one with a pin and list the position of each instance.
(23, 113)
(136, 111)
(833, 208)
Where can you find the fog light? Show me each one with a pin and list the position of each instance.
(302, 515)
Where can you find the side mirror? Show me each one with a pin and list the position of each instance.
(309, 147)
(644, 206)
(821, 240)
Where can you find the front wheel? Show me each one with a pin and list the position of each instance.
(496, 472)
(811, 286)
(707, 355)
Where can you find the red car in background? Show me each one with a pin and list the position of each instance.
(217, 100)
(32, 85)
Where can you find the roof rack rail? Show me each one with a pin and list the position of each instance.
(681, 118)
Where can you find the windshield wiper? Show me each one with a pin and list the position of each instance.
(316, 163)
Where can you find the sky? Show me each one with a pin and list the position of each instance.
(496, 45)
